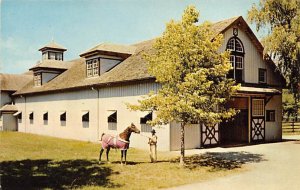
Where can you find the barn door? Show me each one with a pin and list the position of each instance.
(257, 120)
(209, 135)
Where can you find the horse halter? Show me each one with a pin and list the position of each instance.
(134, 129)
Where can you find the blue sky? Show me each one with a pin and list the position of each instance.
(27, 25)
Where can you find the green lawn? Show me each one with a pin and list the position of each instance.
(38, 162)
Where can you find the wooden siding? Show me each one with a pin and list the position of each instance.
(192, 136)
(129, 90)
(253, 60)
(274, 129)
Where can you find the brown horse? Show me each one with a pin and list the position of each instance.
(120, 142)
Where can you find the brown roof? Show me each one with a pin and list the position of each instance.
(14, 82)
(53, 45)
(110, 48)
(52, 64)
(221, 26)
(9, 108)
(134, 68)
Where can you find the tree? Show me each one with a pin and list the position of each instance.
(192, 73)
(282, 20)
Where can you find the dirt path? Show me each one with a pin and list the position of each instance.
(280, 169)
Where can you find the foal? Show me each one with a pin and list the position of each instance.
(120, 142)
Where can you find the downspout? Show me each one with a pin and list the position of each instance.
(25, 114)
(98, 122)
(98, 115)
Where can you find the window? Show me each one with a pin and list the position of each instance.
(85, 119)
(230, 44)
(52, 55)
(239, 62)
(258, 107)
(262, 78)
(143, 121)
(37, 79)
(270, 115)
(45, 116)
(112, 120)
(235, 46)
(58, 56)
(95, 67)
(238, 46)
(63, 116)
(19, 116)
(92, 67)
(85, 116)
(31, 116)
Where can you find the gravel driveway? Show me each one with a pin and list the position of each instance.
(280, 169)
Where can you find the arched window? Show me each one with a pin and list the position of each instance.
(236, 48)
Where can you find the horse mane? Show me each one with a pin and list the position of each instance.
(125, 135)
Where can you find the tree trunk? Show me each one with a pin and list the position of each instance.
(182, 125)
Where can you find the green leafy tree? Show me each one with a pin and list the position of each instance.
(186, 61)
(282, 20)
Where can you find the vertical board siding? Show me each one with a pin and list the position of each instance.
(274, 129)
(129, 90)
(252, 60)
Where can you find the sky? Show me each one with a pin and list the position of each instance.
(78, 25)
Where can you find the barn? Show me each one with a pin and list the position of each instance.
(82, 98)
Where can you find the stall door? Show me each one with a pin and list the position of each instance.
(209, 135)
(257, 120)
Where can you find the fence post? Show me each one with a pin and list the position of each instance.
(293, 125)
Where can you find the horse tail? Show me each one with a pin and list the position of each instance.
(102, 136)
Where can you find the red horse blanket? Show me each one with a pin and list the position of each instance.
(114, 142)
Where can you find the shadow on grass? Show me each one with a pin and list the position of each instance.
(65, 174)
(222, 160)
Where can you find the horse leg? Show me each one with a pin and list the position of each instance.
(125, 154)
(122, 154)
(101, 151)
(107, 152)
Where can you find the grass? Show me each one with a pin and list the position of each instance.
(38, 162)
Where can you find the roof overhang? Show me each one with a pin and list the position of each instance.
(109, 53)
(254, 90)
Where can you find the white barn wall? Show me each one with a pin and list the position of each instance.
(192, 136)
(274, 129)
(115, 98)
(111, 98)
(71, 102)
(252, 60)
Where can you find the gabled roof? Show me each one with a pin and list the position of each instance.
(52, 65)
(110, 49)
(133, 68)
(13, 82)
(53, 45)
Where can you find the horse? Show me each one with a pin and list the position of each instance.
(120, 142)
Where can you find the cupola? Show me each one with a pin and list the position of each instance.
(53, 51)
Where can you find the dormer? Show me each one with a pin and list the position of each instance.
(53, 51)
(104, 57)
(51, 65)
